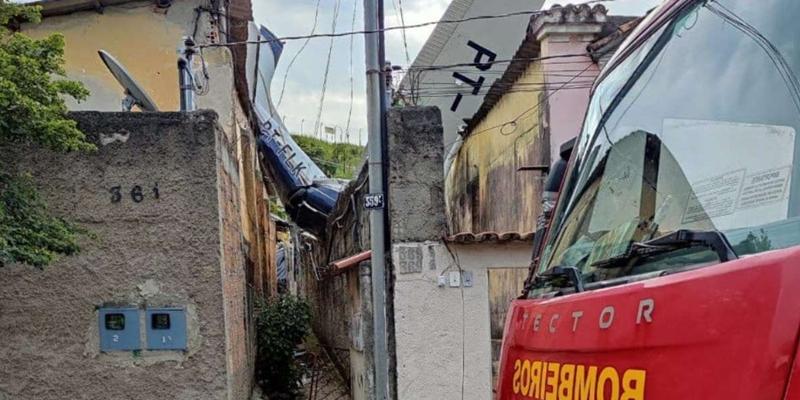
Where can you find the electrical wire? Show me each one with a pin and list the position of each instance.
(505, 61)
(772, 52)
(451, 94)
(454, 256)
(337, 5)
(521, 115)
(352, 97)
(403, 31)
(391, 28)
(300, 51)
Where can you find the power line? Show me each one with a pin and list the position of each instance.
(521, 115)
(505, 61)
(445, 94)
(337, 5)
(303, 47)
(403, 31)
(352, 39)
(388, 29)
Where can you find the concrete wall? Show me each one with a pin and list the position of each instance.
(441, 335)
(180, 249)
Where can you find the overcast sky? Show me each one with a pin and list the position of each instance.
(304, 83)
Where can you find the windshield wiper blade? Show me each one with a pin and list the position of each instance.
(555, 274)
(677, 240)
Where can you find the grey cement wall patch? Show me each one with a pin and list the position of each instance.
(409, 259)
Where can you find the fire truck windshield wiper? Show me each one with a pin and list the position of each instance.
(677, 240)
(557, 276)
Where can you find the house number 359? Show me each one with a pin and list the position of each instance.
(137, 193)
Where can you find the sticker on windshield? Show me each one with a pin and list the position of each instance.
(765, 187)
(714, 197)
(738, 174)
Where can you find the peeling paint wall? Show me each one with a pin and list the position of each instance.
(143, 38)
(180, 249)
(486, 192)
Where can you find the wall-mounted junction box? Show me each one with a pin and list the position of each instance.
(166, 328)
(119, 329)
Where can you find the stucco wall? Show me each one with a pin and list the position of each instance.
(180, 249)
(441, 339)
(443, 333)
(568, 106)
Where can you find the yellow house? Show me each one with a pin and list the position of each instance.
(494, 173)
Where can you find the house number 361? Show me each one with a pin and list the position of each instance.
(136, 193)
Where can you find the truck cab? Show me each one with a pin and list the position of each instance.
(670, 268)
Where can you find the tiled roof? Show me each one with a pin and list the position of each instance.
(569, 14)
(490, 237)
(614, 33)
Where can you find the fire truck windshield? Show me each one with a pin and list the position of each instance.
(696, 130)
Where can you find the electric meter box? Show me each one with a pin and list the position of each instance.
(166, 328)
(119, 329)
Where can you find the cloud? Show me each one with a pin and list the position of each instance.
(304, 80)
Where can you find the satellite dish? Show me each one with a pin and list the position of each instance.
(134, 94)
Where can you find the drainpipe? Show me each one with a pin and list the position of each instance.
(185, 79)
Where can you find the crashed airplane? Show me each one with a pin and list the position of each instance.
(307, 194)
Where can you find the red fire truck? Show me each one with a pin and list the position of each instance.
(670, 268)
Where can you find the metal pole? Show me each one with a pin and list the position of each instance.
(185, 75)
(378, 260)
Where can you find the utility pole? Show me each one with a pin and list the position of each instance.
(375, 201)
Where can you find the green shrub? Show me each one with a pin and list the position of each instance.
(282, 323)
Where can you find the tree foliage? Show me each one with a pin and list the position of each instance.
(32, 110)
(32, 106)
(282, 324)
(337, 160)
